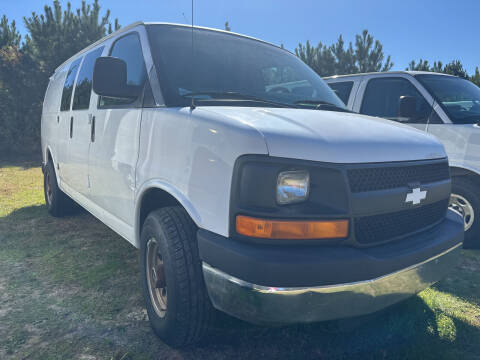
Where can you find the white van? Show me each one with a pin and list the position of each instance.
(443, 105)
(243, 180)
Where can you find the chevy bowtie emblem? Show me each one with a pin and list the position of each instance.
(416, 196)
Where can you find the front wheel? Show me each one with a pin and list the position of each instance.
(465, 200)
(176, 298)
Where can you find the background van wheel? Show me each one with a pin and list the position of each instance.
(58, 203)
(465, 200)
(176, 298)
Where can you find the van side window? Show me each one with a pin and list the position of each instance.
(129, 49)
(68, 86)
(83, 87)
(342, 89)
(382, 99)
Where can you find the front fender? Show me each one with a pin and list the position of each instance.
(458, 167)
(171, 190)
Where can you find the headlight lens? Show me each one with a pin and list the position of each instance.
(292, 187)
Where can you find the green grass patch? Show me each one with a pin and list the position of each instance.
(69, 289)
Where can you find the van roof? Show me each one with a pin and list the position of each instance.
(413, 73)
(138, 23)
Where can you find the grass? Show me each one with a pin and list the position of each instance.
(69, 289)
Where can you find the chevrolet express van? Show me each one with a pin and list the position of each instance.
(443, 105)
(243, 180)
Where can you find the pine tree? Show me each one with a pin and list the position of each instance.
(369, 54)
(9, 36)
(319, 58)
(476, 78)
(422, 65)
(344, 59)
(337, 59)
(454, 67)
(25, 67)
(58, 34)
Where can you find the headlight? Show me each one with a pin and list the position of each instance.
(292, 187)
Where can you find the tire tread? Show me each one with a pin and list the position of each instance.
(194, 317)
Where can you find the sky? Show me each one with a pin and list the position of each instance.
(408, 29)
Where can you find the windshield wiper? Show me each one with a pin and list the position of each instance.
(233, 95)
(322, 105)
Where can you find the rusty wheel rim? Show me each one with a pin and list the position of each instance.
(48, 186)
(157, 287)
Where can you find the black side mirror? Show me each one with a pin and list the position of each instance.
(110, 79)
(407, 107)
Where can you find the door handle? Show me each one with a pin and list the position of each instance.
(92, 130)
(71, 127)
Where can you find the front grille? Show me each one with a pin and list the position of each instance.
(380, 228)
(386, 177)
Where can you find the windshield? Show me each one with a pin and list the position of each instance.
(459, 98)
(227, 66)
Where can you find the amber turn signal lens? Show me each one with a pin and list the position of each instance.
(279, 229)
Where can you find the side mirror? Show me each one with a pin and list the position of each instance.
(407, 107)
(110, 79)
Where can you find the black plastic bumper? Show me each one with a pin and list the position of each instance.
(296, 266)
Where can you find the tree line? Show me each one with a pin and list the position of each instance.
(58, 33)
(26, 65)
(367, 55)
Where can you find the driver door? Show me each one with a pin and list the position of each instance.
(115, 140)
(381, 98)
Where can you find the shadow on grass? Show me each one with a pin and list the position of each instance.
(23, 161)
(465, 284)
(21, 214)
(406, 330)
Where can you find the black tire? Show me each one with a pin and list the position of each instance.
(58, 203)
(470, 191)
(188, 314)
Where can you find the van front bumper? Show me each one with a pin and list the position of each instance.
(264, 304)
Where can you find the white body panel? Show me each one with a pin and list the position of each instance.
(113, 157)
(191, 154)
(335, 137)
(56, 122)
(461, 142)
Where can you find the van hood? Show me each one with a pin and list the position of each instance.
(335, 137)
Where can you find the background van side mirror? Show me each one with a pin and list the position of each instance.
(407, 107)
(110, 79)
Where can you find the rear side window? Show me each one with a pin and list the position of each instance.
(68, 86)
(129, 49)
(342, 89)
(382, 99)
(83, 88)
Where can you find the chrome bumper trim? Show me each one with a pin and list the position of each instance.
(274, 305)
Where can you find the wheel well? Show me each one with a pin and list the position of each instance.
(154, 199)
(456, 172)
(49, 157)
